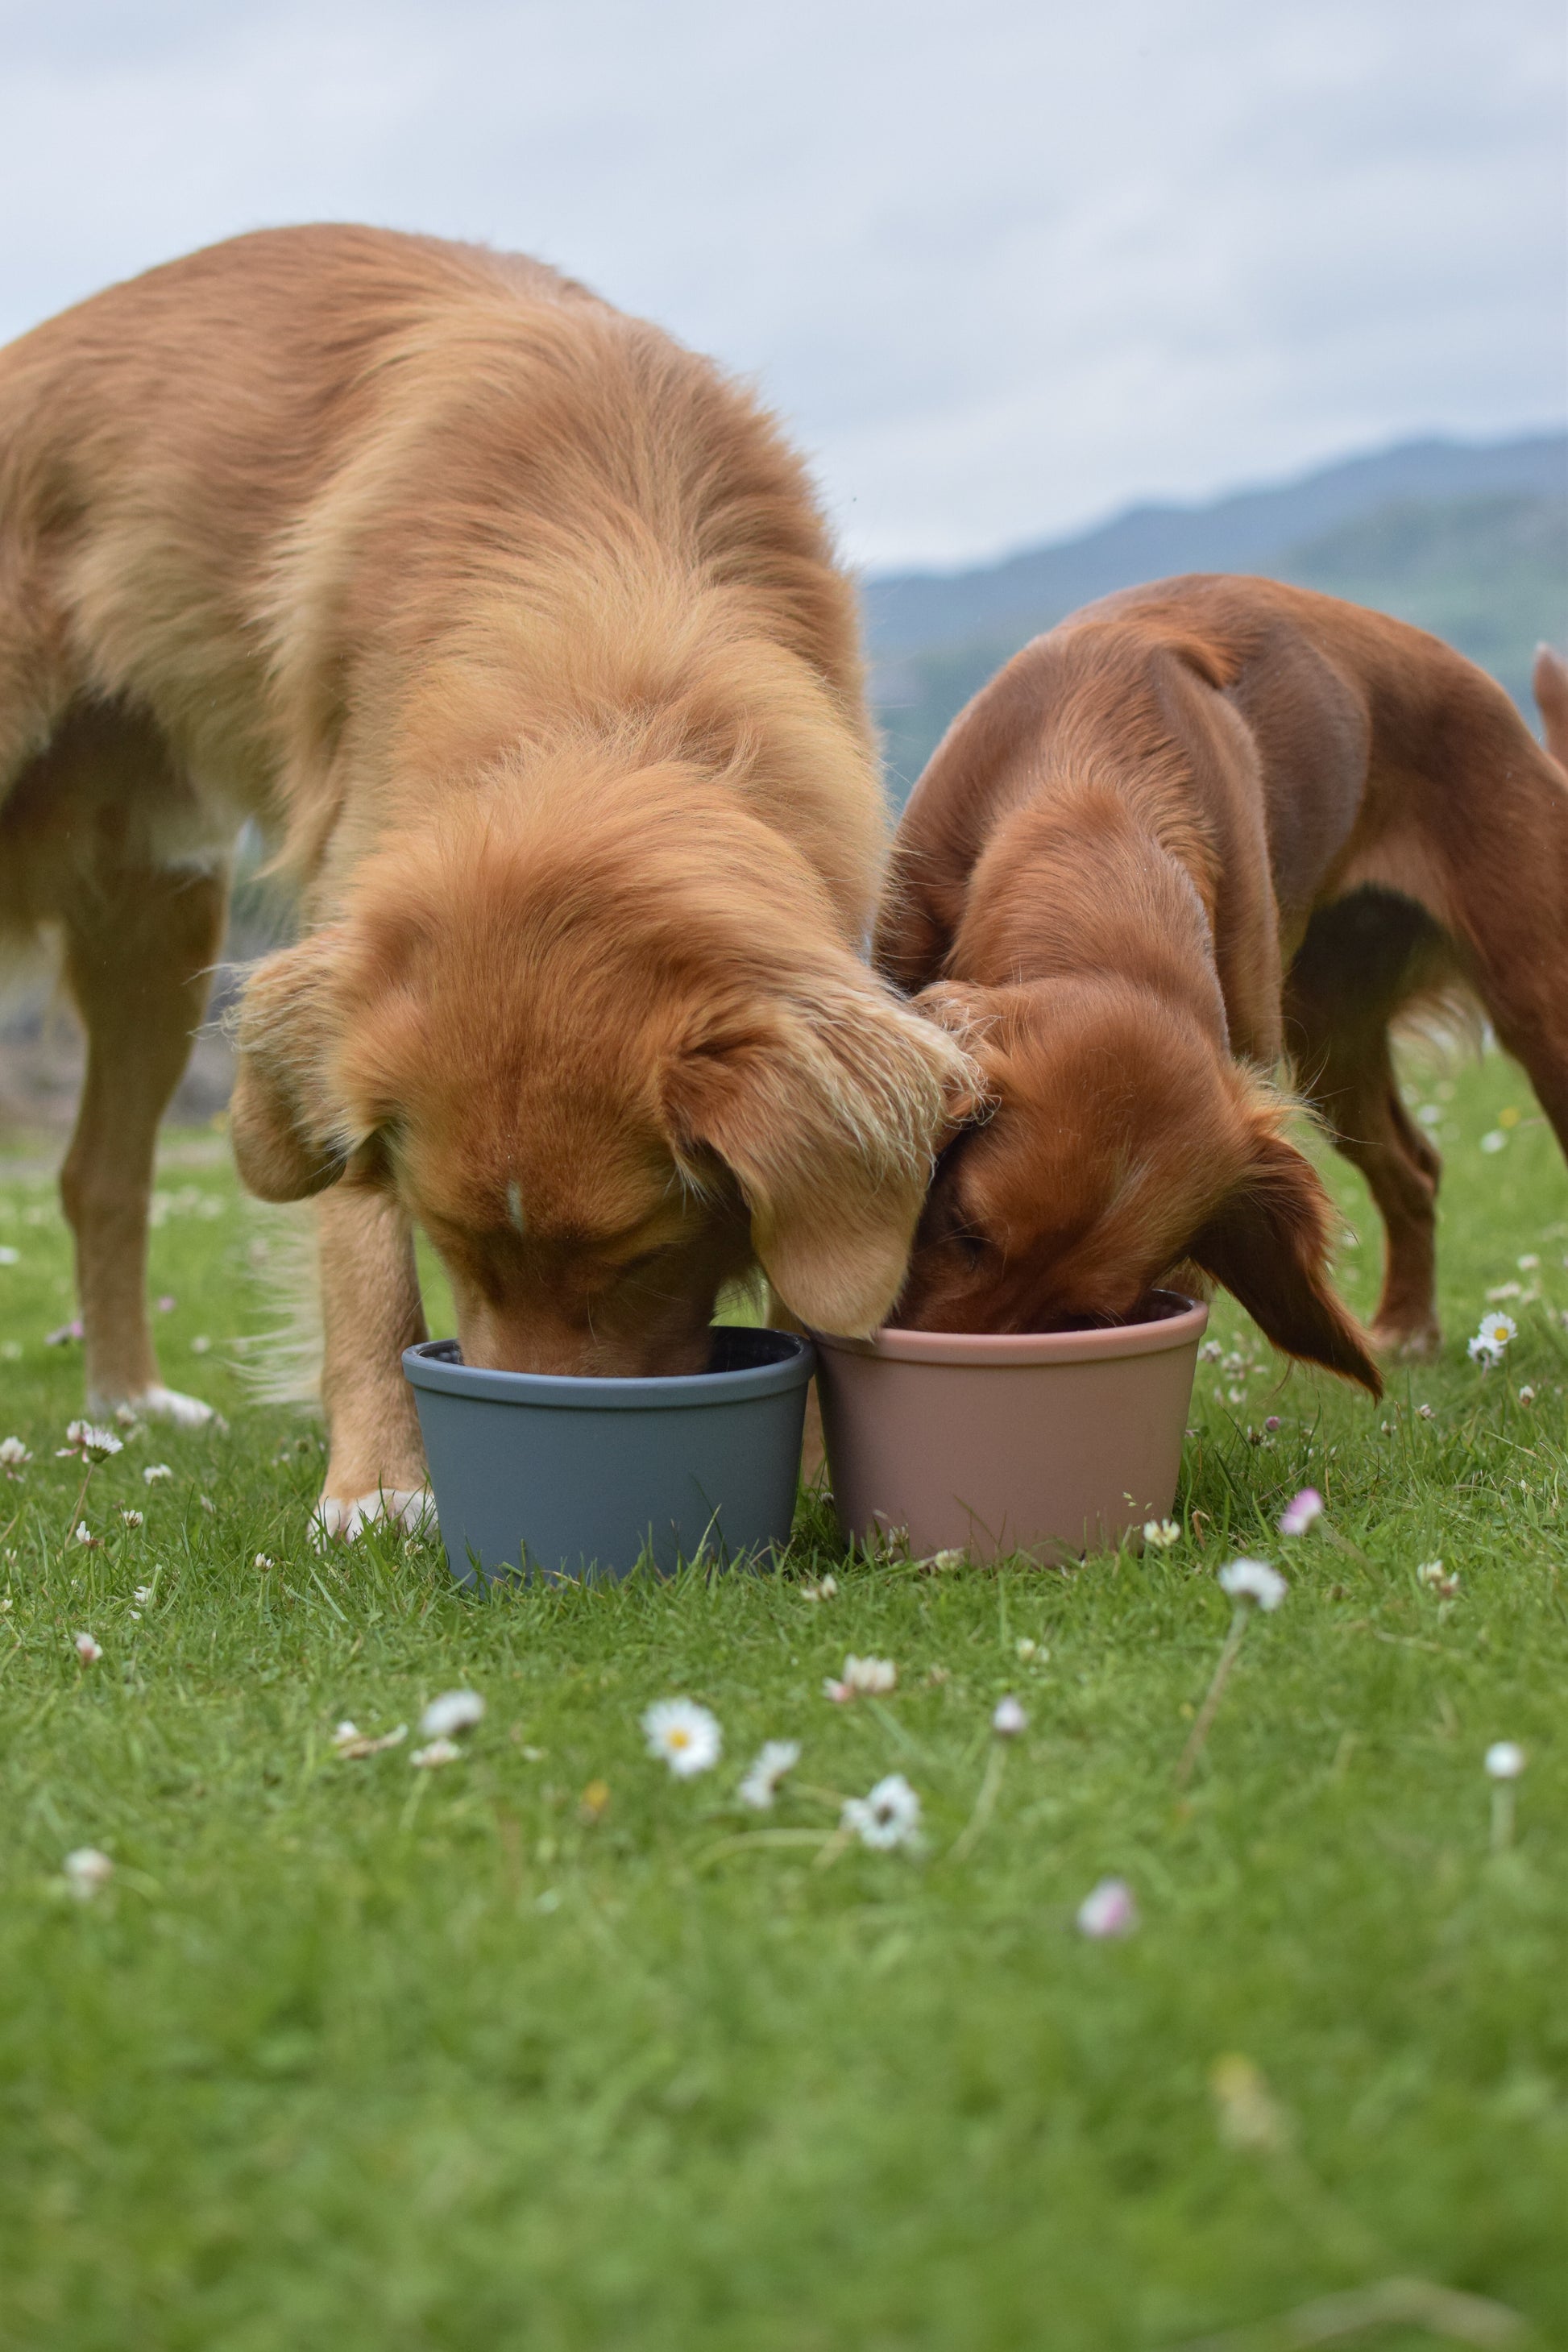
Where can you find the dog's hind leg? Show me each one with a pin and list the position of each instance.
(1503, 843)
(136, 962)
(1360, 960)
(140, 940)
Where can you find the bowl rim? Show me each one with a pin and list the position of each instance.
(1020, 1350)
(433, 1365)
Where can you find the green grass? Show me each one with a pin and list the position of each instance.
(353, 2055)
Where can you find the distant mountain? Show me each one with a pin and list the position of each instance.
(1470, 541)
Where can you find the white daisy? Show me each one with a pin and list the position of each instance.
(1497, 1329)
(872, 1677)
(686, 1734)
(457, 1710)
(888, 1817)
(1109, 1909)
(1505, 1759)
(89, 1442)
(86, 1870)
(154, 1472)
(776, 1757)
(1254, 1580)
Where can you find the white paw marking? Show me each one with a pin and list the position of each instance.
(162, 1404)
(171, 1404)
(334, 1520)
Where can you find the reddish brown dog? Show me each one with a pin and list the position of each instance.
(1199, 827)
(519, 629)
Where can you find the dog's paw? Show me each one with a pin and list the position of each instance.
(335, 1520)
(1408, 1343)
(159, 1404)
(171, 1404)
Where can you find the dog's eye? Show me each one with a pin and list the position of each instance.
(644, 1261)
(972, 1248)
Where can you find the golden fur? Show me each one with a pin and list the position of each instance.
(517, 627)
(1201, 826)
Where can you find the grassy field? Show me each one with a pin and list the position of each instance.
(551, 2049)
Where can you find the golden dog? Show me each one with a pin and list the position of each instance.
(519, 629)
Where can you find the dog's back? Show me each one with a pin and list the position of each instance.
(248, 490)
(1362, 737)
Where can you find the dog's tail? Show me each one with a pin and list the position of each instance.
(1549, 679)
(283, 1365)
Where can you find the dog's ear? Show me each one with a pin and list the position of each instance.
(826, 1107)
(1269, 1244)
(285, 1123)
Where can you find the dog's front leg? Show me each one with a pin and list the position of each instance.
(371, 1311)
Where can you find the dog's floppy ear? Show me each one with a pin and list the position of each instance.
(286, 1126)
(826, 1107)
(1269, 1244)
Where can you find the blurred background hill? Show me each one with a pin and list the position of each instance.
(1468, 539)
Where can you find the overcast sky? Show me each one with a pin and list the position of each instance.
(1005, 266)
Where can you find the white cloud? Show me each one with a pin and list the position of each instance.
(1002, 268)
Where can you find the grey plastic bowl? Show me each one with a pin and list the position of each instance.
(536, 1474)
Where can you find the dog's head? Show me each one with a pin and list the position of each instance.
(1110, 1142)
(607, 1065)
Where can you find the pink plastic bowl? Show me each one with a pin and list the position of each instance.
(1049, 1443)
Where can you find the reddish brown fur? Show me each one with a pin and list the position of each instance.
(1200, 826)
(519, 627)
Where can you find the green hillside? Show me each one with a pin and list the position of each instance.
(1489, 575)
(1486, 569)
